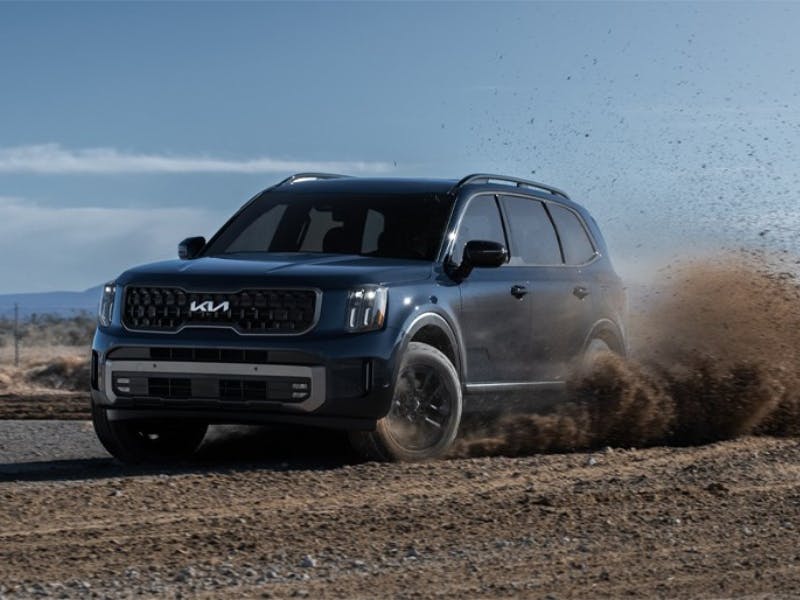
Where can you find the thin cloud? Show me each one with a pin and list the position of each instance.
(55, 160)
(74, 248)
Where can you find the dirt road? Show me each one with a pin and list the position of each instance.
(716, 521)
(41, 405)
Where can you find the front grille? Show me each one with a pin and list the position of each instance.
(212, 355)
(225, 355)
(169, 387)
(266, 311)
(225, 388)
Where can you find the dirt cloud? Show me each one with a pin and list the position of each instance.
(715, 354)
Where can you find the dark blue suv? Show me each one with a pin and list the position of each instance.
(383, 307)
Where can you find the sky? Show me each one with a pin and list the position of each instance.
(125, 128)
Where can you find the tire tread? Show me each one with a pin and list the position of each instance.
(371, 444)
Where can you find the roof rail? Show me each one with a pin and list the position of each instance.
(298, 177)
(486, 178)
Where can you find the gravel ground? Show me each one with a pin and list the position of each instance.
(245, 519)
(45, 405)
(26, 442)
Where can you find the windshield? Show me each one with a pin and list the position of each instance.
(407, 226)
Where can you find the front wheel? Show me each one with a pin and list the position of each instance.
(135, 442)
(425, 414)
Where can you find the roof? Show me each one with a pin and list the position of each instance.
(328, 183)
(380, 185)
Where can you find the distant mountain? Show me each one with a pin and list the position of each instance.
(52, 303)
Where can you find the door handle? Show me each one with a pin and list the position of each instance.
(580, 292)
(518, 291)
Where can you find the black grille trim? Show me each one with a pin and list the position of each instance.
(212, 355)
(256, 311)
(224, 388)
(217, 355)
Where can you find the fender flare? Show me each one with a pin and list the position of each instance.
(434, 319)
(605, 329)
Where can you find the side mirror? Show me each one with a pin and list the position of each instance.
(479, 253)
(191, 247)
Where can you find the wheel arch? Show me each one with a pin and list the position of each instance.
(433, 329)
(611, 333)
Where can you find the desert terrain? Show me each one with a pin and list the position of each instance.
(713, 521)
(673, 474)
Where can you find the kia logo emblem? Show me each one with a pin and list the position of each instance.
(209, 307)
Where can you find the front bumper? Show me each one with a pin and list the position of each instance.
(216, 377)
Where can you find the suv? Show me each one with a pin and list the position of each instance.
(383, 307)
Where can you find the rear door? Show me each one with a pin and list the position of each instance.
(494, 322)
(536, 254)
(579, 255)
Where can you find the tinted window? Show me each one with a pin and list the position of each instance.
(256, 234)
(387, 226)
(372, 231)
(533, 239)
(481, 221)
(578, 248)
(320, 223)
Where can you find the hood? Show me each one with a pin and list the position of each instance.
(236, 272)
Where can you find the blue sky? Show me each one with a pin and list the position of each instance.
(126, 127)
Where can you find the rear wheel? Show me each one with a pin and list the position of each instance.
(147, 441)
(596, 349)
(425, 414)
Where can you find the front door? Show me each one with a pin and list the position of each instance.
(495, 308)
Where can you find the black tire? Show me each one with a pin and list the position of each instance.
(595, 350)
(135, 442)
(426, 411)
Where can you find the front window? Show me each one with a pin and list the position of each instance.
(408, 226)
(481, 222)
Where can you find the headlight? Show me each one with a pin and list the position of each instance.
(366, 308)
(106, 309)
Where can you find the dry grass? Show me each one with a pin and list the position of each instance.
(53, 356)
(31, 355)
(44, 369)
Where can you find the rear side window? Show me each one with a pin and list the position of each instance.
(481, 221)
(578, 248)
(533, 238)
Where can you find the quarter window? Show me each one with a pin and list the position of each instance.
(481, 221)
(533, 238)
(578, 248)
